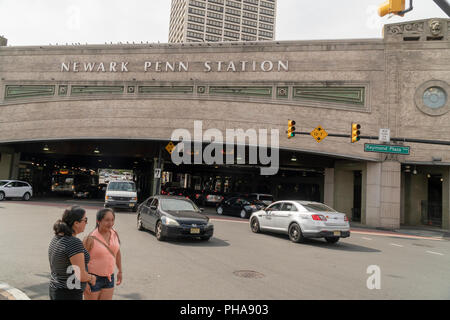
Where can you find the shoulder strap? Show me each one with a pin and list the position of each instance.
(110, 251)
(116, 235)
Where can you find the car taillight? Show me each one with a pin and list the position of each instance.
(346, 218)
(197, 196)
(319, 217)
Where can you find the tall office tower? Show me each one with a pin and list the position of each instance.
(222, 20)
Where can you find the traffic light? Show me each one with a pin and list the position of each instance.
(291, 129)
(356, 133)
(392, 6)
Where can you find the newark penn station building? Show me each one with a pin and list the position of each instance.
(87, 107)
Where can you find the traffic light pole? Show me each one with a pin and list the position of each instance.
(444, 5)
(437, 142)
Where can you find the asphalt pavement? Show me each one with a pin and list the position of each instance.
(235, 263)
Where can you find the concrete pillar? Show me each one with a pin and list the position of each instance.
(14, 173)
(446, 199)
(383, 195)
(5, 165)
(343, 195)
(329, 187)
(155, 181)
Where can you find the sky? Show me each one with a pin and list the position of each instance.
(43, 22)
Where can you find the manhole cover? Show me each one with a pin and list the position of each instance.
(249, 274)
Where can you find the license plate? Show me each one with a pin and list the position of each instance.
(195, 230)
(337, 233)
(131, 205)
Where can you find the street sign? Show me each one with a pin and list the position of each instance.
(157, 173)
(385, 135)
(170, 147)
(386, 149)
(319, 134)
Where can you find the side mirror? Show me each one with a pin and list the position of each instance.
(202, 210)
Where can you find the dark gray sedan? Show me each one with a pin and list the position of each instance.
(173, 217)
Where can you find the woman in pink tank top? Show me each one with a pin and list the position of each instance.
(103, 245)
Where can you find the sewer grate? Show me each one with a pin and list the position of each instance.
(249, 274)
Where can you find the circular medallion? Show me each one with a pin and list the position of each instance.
(435, 98)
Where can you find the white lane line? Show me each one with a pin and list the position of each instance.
(437, 253)
(367, 239)
(396, 245)
(17, 294)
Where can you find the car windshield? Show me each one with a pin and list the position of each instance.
(314, 207)
(122, 186)
(2, 183)
(178, 205)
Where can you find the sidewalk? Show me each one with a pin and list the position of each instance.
(419, 231)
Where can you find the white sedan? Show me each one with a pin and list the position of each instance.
(302, 219)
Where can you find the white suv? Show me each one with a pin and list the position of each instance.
(15, 189)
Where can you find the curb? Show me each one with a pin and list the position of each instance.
(9, 293)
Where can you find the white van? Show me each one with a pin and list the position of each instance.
(121, 194)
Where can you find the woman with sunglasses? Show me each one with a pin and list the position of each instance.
(68, 258)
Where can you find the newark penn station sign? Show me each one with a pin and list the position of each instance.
(178, 66)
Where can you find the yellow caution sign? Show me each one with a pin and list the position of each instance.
(319, 134)
(170, 147)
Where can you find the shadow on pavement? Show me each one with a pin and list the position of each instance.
(321, 243)
(213, 242)
(340, 246)
(38, 291)
(129, 296)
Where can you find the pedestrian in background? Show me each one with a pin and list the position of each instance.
(68, 258)
(103, 245)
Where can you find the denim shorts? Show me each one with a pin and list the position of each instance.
(102, 283)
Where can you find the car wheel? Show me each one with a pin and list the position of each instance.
(158, 232)
(243, 214)
(255, 225)
(140, 225)
(2, 196)
(26, 197)
(205, 238)
(219, 211)
(295, 233)
(332, 239)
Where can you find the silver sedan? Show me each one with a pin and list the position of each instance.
(302, 219)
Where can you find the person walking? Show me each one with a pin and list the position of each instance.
(68, 258)
(103, 245)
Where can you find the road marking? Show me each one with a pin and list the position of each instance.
(437, 253)
(367, 238)
(396, 245)
(17, 294)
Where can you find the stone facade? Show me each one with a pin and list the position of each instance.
(147, 91)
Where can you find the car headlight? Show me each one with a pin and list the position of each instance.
(169, 221)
